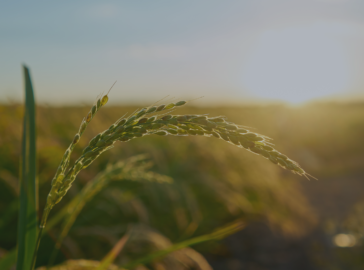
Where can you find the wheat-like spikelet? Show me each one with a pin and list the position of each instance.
(140, 124)
(156, 120)
(59, 180)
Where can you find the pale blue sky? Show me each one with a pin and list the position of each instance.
(293, 50)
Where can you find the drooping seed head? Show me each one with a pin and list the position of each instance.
(104, 100)
(191, 132)
(282, 162)
(166, 117)
(231, 127)
(82, 127)
(141, 112)
(170, 106)
(299, 170)
(172, 126)
(246, 144)
(207, 128)
(241, 130)
(249, 136)
(264, 153)
(210, 124)
(199, 132)
(217, 119)
(273, 159)
(136, 129)
(151, 119)
(89, 116)
(224, 136)
(180, 103)
(87, 163)
(160, 108)
(195, 127)
(105, 134)
(138, 134)
(182, 132)
(143, 130)
(124, 139)
(161, 133)
(129, 128)
(66, 155)
(215, 134)
(190, 116)
(121, 122)
(267, 147)
(108, 143)
(257, 139)
(198, 118)
(234, 140)
(98, 104)
(255, 150)
(181, 118)
(280, 155)
(119, 130)
(152, 109)
(172, 131)
(156, 125)
(78, 166)
(95, 140)
(131, 120)
(182, 126)
(142, 120)
(173, 121)
(76, 139)
(101, 143)
(93, 110)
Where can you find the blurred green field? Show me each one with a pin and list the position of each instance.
(214, 183)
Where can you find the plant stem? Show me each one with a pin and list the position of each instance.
(40, 233)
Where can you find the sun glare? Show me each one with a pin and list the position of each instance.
(297, 64)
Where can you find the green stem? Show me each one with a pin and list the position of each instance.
(41, 227)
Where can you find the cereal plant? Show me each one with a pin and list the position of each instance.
(152, 120)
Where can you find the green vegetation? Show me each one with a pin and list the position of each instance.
(213, 183)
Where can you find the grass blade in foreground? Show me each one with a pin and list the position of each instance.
(27, 226)
(216, 235)
(110, 257)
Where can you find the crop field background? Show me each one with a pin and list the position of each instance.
(290, 222)
(216, 193)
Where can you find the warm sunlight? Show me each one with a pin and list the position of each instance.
(297, 64)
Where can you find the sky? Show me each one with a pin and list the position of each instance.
(290, 51)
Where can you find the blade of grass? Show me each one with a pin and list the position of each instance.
(216, 235)
(27, 226)
(110, 257)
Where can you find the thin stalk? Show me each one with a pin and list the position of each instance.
(40, 232)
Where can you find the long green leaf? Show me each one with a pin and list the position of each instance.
(27, 226)
(110, 257)
(216, 235)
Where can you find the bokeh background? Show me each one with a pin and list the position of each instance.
(292, 70)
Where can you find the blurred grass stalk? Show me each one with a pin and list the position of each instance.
(218, 234)
(27, 221)
(134, 168)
